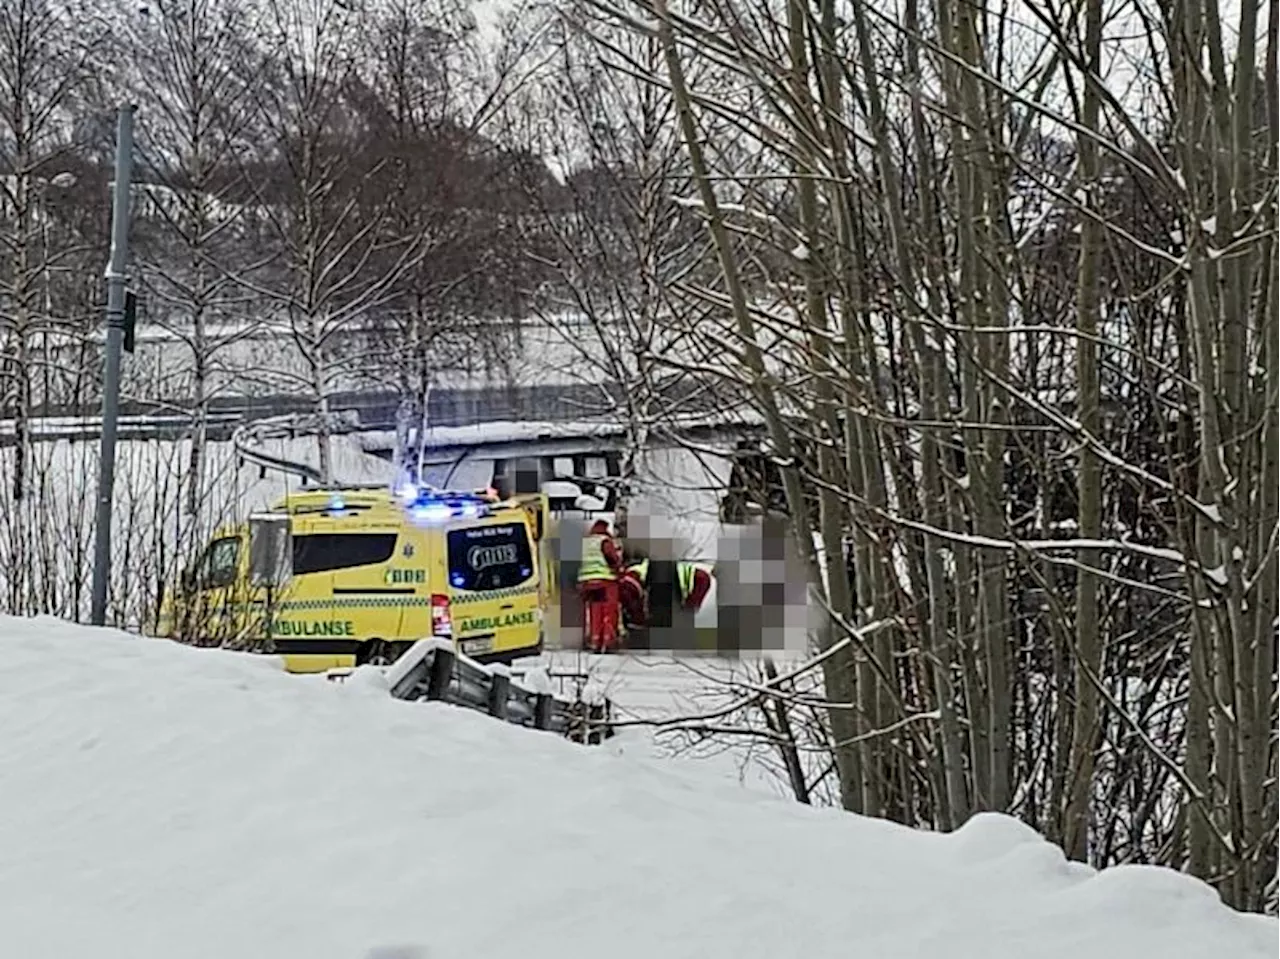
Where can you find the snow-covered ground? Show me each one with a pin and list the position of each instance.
(655, 688)
(168, 802)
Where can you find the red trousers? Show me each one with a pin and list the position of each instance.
(600, 604)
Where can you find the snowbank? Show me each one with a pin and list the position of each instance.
(161, 801)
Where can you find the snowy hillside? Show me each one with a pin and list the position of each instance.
(163, 802)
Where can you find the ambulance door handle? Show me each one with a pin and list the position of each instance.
(507, 606)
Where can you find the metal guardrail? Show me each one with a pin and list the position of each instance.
(130, 427)
(255, 432)
(433, 670)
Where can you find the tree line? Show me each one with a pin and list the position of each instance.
(1002, 286)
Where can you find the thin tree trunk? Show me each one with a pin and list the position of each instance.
(981, 402)
(836, 669)
(1088, 639)
(940, 647)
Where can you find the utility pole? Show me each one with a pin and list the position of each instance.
(111, 364)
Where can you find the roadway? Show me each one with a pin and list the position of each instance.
(370, 411)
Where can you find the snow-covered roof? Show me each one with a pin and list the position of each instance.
(507, 431)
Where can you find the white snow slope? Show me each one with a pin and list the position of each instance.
(163, 802)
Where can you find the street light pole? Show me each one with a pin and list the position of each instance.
(111, 364)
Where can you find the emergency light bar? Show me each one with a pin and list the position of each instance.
(337, 506)
(432, 506)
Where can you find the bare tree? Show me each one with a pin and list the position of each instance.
(452, 306)
(616, 237)
(194, 94)
(322, 197)
(1089, 483)
(46, 76)
(1228, 523)
(1051, 489)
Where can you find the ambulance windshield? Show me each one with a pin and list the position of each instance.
(484, 558)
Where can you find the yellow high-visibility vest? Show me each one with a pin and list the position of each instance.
(594, 565)
(685, 573)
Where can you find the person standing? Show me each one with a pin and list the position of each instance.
(598, 586)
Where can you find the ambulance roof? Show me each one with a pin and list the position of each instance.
(418, 503)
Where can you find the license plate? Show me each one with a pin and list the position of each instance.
(477, 647)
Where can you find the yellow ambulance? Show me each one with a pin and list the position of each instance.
(347, 576)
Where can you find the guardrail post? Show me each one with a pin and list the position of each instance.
(439, 673)
(580, 722)
(601, 714)
(542, 711)
(499, 693)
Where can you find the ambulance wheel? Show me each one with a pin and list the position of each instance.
(376, 652)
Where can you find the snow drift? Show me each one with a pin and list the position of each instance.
(162, 802)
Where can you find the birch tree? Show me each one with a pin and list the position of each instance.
(324, 200)
(195, 94)
(47, 72)
(453, 306)
(1089, 491)
(615, 237)
(1012, 453)
(1228, 524)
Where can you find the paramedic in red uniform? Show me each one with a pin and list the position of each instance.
(633, 593)
(598, 586)
(695, 583)
(692, 579)
(661, 612)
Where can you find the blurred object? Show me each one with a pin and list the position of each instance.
(741, 587)
(633, 593)
(762, 588)
(662, 597)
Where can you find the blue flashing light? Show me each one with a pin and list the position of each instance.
(458, 580)
(337, 504)
(430, 506)
(430, 512)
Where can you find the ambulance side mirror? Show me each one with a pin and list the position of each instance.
(270, 550)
